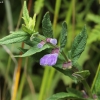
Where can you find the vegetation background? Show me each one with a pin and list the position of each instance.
(76, 13)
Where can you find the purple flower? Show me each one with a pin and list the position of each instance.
(49, 59)
(52, 41)
(40, 45)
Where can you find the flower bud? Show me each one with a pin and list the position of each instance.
(52, 41)
(67, 65)
(40, 45)
(56, 50)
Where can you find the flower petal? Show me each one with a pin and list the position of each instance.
(53, 41)
(49, 59)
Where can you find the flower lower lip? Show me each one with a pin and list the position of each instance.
(49, 59)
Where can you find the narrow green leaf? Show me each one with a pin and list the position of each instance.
(78, 45)
(14, 37)
(25, 13)
(64, 96)
(34, 50)
(47, 26)
(63, 35)
(97, 84)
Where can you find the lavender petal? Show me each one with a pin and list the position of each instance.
(53, 41)
(49, 59)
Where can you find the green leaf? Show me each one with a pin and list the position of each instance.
(64, 96)
(34, 50)
(82, 74)
(74, 91)
(76, 65)
(63, 35)
(14, 37)
(47, 26)
(27, 30)
(25, 14)
(33, 42)
(67, 72)
(22, 50)
(97, 84)
(78, 45)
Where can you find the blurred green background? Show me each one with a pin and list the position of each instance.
(76, 13)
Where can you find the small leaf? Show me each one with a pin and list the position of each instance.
(78, 45)
(14, 37)
(27, 30)
(25, 14)
(47, 26)
(82, 74)
(64, 96)
(67, 72)
(33, 50)
(63, 35)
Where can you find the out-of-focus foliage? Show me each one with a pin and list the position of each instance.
(76, 13)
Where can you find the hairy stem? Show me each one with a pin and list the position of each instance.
(87, 88)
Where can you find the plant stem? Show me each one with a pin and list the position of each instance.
(9, 14)
(19, 94)
(17, 75)
(68, 19)
(44, 83)
(39, 20)
(87, 88)
(50, 80)
(23, 79)
(56, 13)
(97, 72)
(7, 71)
